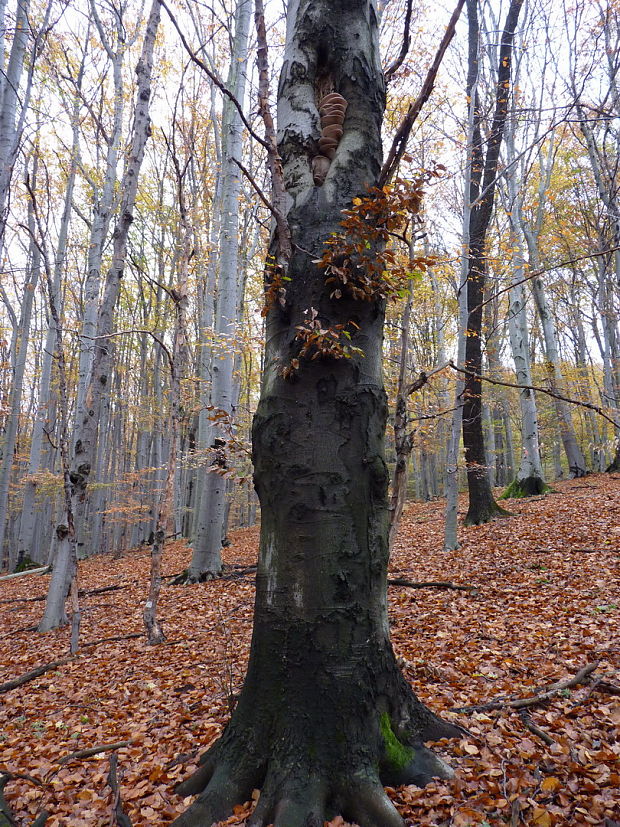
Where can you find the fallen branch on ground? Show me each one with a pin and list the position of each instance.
(113, 639)
(19, 631)
(41, 570)
(431, 584)
(540, 697)
(34, 673)
(89, 751)
(527, 722)
(81, 593)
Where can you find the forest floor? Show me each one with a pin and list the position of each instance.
(546, 604)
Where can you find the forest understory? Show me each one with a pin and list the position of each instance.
(545, 606)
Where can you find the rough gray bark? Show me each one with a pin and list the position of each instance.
(324, 715)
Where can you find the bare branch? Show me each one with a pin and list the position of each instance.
(404, 49)
(399, 144)
(213, 78)
(473, 375)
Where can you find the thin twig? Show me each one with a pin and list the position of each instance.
(527, 722)
(541, 271)
(256, 188)
(89, 751)
(551, 691)
(431, 584)
(213, 78)
(399, 144)
(554, 394)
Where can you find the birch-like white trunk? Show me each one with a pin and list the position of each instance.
(529, 477)
(26, 545)
(10, 81)
(84, 438)
(574, 455)
(206, 557)
(15, 402)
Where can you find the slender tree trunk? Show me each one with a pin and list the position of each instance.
(482, 505)
(403, 437)
(10, 131)
(576, 461)
(206, 557)
(15, 402)
(84, 444)
(27, 544)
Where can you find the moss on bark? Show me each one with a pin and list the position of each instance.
(528, 487)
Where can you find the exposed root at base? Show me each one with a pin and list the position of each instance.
(527, 487)
(186, 577)
(492, 512)
(297, 792)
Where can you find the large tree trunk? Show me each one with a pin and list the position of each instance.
(325, 715)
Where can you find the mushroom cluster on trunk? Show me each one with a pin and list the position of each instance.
(332, 110)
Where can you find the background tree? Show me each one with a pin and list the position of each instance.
(483, 182)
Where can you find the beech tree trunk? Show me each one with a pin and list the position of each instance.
(84, 437)
(484, 166)
(325, 715)
(209, 528)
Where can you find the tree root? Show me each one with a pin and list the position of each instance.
(300, 786)
(491, 512)
(527, 487)
(186, 577)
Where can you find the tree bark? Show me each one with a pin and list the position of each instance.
(207, 553)
(84, 441)
(482, 505)
(324, 715)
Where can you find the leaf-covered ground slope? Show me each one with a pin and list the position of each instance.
(547, 604)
